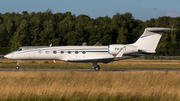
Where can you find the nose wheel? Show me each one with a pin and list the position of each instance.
(18, 62)
(96, 67)
(17, 67)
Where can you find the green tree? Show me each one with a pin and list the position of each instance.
(122, 38)
(64, 27)
(164, 45)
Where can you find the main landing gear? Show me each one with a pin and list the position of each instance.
(18, 62)
(96, 67)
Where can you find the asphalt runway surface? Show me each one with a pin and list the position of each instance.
(60, 69)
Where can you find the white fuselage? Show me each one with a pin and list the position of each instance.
(71, 53)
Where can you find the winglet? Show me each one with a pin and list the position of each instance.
(121, 52)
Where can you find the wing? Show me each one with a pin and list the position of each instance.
(103, 60)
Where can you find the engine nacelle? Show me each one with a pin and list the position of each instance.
(114, 49)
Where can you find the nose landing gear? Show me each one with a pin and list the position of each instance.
(18, 63)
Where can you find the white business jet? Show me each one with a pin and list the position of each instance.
(146, 44)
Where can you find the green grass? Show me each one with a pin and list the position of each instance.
(8, 62)
(46, 62)
(125, 64)
(33, 62)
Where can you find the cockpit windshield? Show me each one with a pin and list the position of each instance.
(19, 49)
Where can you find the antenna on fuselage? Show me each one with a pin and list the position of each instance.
(84, 44)
(50, 44)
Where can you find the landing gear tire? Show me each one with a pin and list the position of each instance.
(97, 68)
(18, 62)
(17, 67)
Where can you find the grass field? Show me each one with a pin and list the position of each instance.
(93, 86)
(90, 86)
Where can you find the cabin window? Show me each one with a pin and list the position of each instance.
(76, 52)
(62, 52)
(47, 52)
(69, 52)
(54, 52)
(84, 52)
(40, 52)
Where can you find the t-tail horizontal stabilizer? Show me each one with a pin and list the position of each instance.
(120, 53)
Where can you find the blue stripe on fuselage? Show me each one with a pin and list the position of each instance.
(64, 51)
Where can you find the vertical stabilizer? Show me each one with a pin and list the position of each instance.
(150, 39)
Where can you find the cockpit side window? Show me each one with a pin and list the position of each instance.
(19, 49)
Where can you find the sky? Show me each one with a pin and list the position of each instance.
(140, 9)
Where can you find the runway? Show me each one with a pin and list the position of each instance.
(60, 69)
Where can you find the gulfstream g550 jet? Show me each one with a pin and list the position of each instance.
(146, 44)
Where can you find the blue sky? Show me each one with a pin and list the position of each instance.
(140, 9)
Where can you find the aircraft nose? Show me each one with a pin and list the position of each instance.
(7, 56)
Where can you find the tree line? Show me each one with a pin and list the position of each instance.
(44, 28)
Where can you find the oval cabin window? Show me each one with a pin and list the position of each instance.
(84, 52)
(40, 52)
(47, 52)
(62, 52)
(54, 52)
(69, 52)
(76, 52)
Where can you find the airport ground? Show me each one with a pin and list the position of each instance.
(122, 64)
(91, 86)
